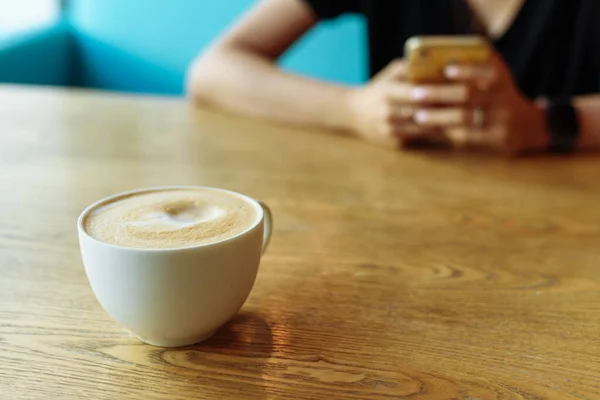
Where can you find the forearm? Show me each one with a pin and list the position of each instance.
(588, 111)
(250, 85)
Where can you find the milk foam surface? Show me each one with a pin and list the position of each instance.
(171, 218)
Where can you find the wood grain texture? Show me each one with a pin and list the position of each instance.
(390, 275)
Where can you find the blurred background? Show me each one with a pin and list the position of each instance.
(145, 46)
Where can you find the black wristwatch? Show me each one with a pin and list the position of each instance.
(562, 124)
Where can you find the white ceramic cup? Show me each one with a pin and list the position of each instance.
(175, 297)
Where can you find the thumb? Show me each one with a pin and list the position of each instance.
(395, 70)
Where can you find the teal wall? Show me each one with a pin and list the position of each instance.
(146, 45)
(39, 57)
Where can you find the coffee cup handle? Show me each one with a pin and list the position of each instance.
(268, 225)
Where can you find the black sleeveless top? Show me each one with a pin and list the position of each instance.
(552, 46)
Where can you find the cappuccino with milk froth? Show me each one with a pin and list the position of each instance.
(172, 218)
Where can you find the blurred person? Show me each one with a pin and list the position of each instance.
(538, 91)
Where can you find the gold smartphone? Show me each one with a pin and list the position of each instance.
(427, 56)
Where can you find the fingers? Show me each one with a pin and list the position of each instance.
(457, 125)
(401, 113)
(439, 95)
(448, 117)
(396, 70)
(428, 94)
(450, 126)
(400, 126)
(481, 76)
(410, 121)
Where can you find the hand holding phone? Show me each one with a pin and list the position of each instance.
(455, 89)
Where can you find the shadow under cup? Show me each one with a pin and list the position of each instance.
(176, 296)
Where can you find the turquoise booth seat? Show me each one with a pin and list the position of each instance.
(41, 57)
(146, 46)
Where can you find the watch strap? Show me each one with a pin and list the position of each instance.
(562, 124)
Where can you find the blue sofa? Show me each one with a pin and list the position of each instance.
(146, 45)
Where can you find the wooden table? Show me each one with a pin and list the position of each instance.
(390, 275)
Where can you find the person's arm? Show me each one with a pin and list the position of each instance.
(239, 72)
